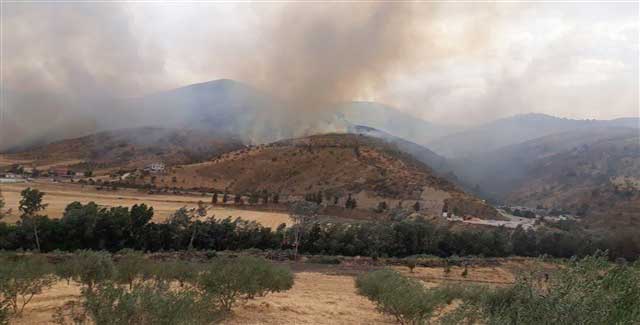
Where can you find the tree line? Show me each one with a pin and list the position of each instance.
(90, 226)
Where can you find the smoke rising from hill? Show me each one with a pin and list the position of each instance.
(313, 56)
(66, 67)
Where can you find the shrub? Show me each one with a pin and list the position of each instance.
(587, 291)
(129, 267)
(182, 272)
(91, 267)
(404, 298)
(21, 278)
(4, 312)
(411, 263)
(324, 260)
(247, 277)
(142, 304)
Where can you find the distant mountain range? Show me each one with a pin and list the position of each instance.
(513, 130)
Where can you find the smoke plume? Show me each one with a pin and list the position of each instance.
(68, 67)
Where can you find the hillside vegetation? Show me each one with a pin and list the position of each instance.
(129, 148)
(334, 168)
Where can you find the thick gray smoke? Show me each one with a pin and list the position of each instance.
(62, 65)
(315, 56)
(67, 67)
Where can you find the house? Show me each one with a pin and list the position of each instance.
(156, 167)
(61, 172)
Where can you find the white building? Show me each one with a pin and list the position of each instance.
(155, 167)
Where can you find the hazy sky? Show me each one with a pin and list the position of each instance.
(456, 63)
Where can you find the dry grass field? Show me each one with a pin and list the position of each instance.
(321, 295)
(59, 195)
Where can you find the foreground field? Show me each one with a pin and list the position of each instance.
(59, 195)
(321, 295)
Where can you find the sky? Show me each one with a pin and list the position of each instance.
(456, 63)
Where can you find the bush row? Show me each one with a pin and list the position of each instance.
(131, 289)
(586, 291)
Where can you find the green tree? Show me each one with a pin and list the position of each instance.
(129, 267)
(404, 298)
(21, 278)
(244, 277)
(2, 204)
(92, 267)
(586, 291)
(30, 205)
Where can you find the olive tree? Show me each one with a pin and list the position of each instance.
(21, 278)
(406, 299)
(226, 281)
(92, 267)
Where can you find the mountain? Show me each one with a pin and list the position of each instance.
(337, 166)
(233, 107)
(593, 172)
(513, 130)
(596, 178)
(129, 148)
(225, 106)
(393, 121)
(436, 162)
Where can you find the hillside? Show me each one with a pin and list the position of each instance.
(514, 130)
(599, 179)
(393, 121)
(436, 162)
(593, 172)
(335, 165)
(128, 148)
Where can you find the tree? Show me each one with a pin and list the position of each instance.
(1, 205)
(92, 267)
(21, 278)
(129, 266)
(382, 206)
(225, 197)
(88, 173)
(301, 212)
(350, 203)
(182, 221)
(411, 263)
(30, 205)
(139, 218)
(416, 206)
(214, 199)
(404, 298)
(244, 277)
